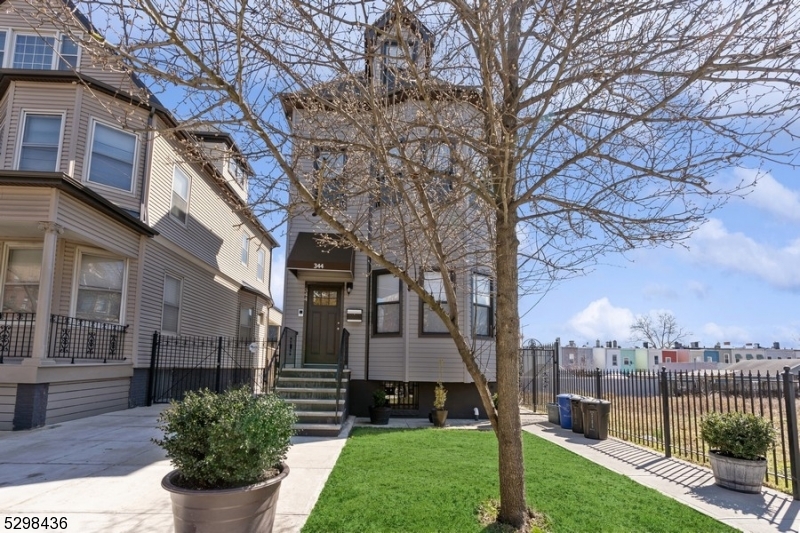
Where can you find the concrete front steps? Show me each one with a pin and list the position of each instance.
(312, 391)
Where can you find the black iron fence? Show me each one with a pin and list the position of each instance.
(663, 410)
(16, 334)
(187, 363)
(539, 374)
(76, 338)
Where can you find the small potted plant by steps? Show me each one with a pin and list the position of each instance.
(439, 399)
(380, 411)
(228, 451)
(738, 445)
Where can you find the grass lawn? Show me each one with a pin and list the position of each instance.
(435, 480)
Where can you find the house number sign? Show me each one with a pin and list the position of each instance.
(319, 265)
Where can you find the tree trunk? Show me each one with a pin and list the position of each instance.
(513, 507)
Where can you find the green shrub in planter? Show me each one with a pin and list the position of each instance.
(739, 435)
(226, 440)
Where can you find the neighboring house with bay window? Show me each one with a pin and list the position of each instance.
(110, 230)
(395, 342)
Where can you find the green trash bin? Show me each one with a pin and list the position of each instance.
(595, 418)
(577, 413)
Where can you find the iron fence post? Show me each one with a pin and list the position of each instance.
(665, 412)
(151, 377)
(219, 366)
(791, 425)
(598, 384)
(556, 372)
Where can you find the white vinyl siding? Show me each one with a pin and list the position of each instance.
(179, 209)
(40, 145)
(171, 310)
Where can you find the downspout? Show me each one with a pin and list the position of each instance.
(144, 197)
(368, 332)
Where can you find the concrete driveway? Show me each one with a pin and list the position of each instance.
(103, 474)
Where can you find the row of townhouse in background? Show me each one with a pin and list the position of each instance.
(610, 356)
(111, 229)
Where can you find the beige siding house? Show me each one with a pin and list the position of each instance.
(110, 231)
(330, 290)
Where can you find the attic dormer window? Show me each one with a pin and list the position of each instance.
(395, 60)
(237, 171)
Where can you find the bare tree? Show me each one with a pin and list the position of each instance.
(660, 330)
(584, 128)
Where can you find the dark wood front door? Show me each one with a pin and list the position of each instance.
(322, 324)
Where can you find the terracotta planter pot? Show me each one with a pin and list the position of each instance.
(439, 417)
(379, 415)
(741, 475)
(247, 509)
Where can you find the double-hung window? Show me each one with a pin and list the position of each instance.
(386, 303)
(329, 166)
(430, 321)
(101, 280)
(396, 62)
(482, 305)
(21, 280)
(112, 157)
(171, 311)
(236, 171)
(180, 195)
(245, 248)
(261, 258)
(41, 142)
(38, 52)
(439, 162)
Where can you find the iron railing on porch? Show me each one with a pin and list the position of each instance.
(663, 410)
(16, 334)
(76, 338)
(67, 338)
(341, 363)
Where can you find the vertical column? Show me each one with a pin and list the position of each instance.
(44, 301)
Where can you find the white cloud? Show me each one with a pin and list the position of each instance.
(601, 320)
(771, 195)
(714, 244)
(736, 335)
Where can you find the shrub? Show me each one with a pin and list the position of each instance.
(379, 398)
(740, 435)
(226, 440)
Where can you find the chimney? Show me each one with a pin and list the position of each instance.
(646, 344)
(776, 346)
(614, 344)
(608, 344)
(572, 343)
(695, 345)
(597, 344)
(756, 345)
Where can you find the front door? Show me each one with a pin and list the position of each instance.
(322, 324)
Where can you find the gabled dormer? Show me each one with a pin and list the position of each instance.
(398, 48)
(221, 150)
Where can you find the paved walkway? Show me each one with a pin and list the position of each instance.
(103, 474)
(692, 485)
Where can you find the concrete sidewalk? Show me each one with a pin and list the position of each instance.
(104, 475)
(690, 484)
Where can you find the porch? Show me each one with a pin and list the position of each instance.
(84, 369)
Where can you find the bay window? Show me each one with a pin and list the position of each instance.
(99, 292)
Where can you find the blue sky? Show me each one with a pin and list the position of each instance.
(739, 280)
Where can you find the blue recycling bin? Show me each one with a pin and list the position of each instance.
(565, 410)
